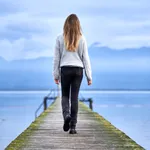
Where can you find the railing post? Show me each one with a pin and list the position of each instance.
(45, 102)
(90, 103)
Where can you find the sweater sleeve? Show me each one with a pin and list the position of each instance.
(56, 60)
(86, 61)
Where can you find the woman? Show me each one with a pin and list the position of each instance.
(70, 58)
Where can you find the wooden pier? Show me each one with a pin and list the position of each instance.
(94, 133)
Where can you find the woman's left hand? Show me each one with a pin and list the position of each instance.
(56, 81)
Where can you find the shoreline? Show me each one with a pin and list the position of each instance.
(84, 91)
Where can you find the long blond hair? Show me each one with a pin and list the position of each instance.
(72, 32)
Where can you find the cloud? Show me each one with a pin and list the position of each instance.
(9, 7)
(24, 48)
(23, 26)
(130, 41)
(29, 28)
(33, 45)
(127, 10)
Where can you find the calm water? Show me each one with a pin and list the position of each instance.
(128, 111)
(17, 111)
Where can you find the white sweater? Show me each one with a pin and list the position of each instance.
(63, 57)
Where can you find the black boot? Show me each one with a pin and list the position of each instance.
(72, 129)
(67, 123)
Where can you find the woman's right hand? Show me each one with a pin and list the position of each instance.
(89, 82)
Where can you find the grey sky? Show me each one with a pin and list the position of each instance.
(28, 28)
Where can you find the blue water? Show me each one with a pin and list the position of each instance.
(17, 111)
(128, 111)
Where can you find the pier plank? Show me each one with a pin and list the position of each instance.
(94, 133)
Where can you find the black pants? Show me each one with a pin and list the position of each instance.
(71, 78)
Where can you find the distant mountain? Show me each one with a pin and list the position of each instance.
(111, 69)
(130, 59)
(95, 50)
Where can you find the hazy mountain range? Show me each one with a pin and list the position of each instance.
(111, 69)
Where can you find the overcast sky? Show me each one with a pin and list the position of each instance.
(28, 28)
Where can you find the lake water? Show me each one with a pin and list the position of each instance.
(127, 110)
